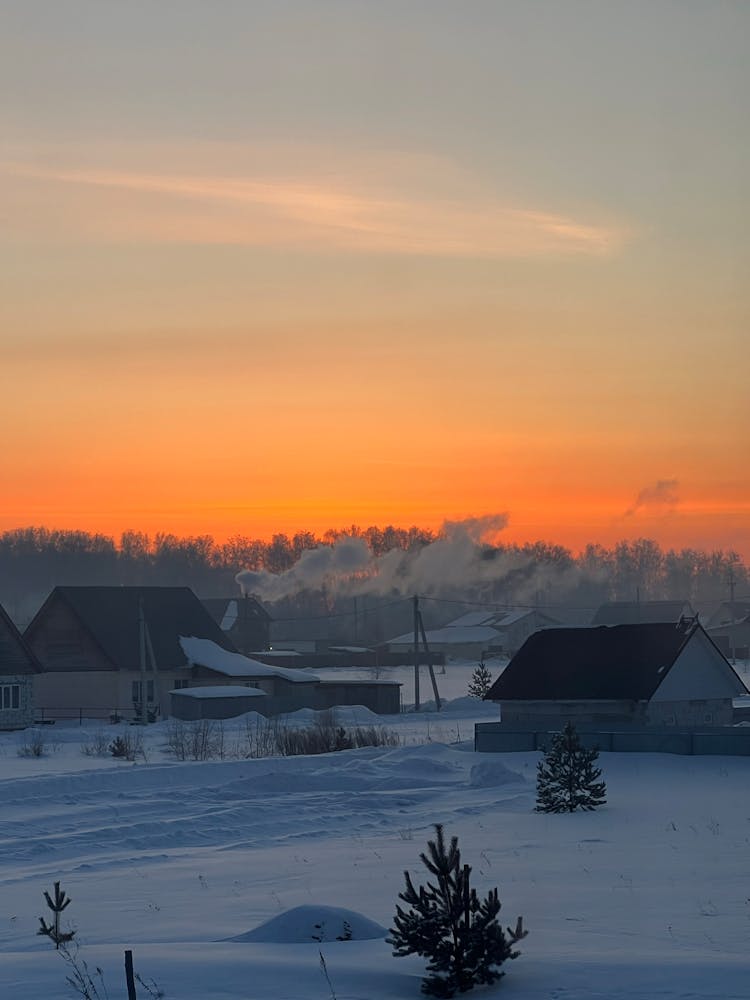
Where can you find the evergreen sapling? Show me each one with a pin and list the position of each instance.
(449, 925)
(481, 682)
(568, 779)
(57, 905)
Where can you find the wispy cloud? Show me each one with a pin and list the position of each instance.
(303, 212)
(661, 498)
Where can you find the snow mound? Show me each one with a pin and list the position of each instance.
(304, 924)
(493, 774)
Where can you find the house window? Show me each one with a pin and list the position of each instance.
(136, 690)
(10, 696)
(181, 684)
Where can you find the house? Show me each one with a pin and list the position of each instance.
(728, 613)
(18, 668)
(90, 642)
(733, 638)
(283, 689)
(515, 627)
(653, 674)
(243, 619)
(641, 612)
(479, 633)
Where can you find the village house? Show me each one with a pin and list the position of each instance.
(478, 634)
(654, 674)
(243, 620)
(93, 643)
(18, 669)
(641, 612)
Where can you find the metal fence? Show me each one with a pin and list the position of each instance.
(493, 737)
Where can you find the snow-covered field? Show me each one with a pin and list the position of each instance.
(648, 897)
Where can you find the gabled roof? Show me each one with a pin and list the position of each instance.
(111, 614)
(605, 662)
(204, 653)
(730, 612)
(473, 618)
(641, 612)
(450, 634)
(15, 655)
(226, 611)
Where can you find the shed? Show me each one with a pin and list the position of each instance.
(222, 702)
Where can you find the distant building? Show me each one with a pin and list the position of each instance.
(733, 638)
(243, 619)
(18, 669)
(90, 644)
(641, 612)
(274, 690)
(479, 633)
(728, 613)
(642, 675)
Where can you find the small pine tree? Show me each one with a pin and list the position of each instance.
(567, 779)
(448, 924)
(481, 682)
(57, 905)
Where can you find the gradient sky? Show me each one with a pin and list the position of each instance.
(277, 265)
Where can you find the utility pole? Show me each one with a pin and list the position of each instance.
(731, 612)
(416, 653)
(142, 637)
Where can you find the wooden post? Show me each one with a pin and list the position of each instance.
(416, 653)
(142, 637)
(129, 978)
(429, 662)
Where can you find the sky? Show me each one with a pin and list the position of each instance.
(275, 266)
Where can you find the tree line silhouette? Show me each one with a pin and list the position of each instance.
(33, 560)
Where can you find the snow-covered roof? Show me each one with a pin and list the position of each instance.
(512, 617)
(473, 618)
(205, 653)
(451, 634)
(219, 691)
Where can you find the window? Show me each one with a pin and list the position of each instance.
(10, 696)
(136, 691)
(181, 684)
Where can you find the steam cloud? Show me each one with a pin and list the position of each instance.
(462, 556)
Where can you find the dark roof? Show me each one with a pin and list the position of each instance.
(244, 607)
(15, 655)
(111, 616)
(637, 612)
(608, 662)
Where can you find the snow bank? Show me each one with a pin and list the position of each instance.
(304, 924)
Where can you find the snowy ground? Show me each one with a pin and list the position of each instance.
(648, 897)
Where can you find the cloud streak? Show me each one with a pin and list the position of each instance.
(661, 498)
(304, 212)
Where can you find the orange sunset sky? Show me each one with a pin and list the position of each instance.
(272, 266)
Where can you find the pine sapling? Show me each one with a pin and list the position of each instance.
(57, 905)
(449, 925)
(567, 778)
(481, 682)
